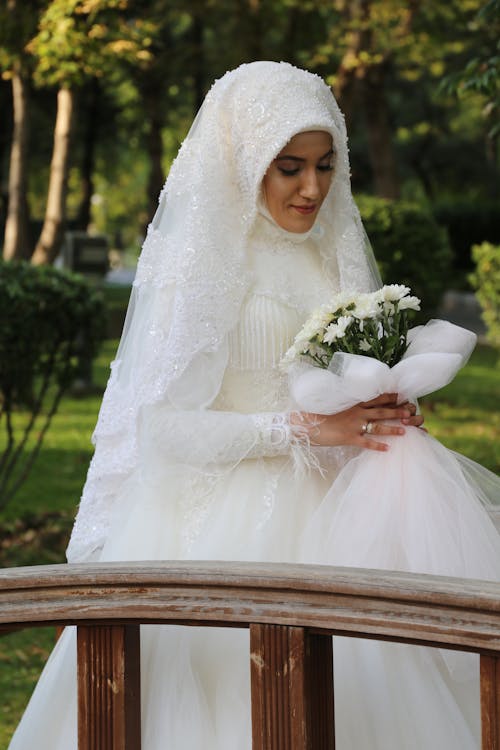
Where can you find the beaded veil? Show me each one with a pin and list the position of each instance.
(193, 273)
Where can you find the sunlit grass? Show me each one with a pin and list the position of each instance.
(57, 477)
(22, 656)
(465, 415)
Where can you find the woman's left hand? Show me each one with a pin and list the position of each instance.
(416, 420)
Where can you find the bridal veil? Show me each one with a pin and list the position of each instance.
(193, 274)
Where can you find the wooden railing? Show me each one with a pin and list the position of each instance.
(291, 611)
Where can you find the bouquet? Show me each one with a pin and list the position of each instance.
(375, 325)
(358, 346)
(417, 507)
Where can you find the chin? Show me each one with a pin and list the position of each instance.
(300, 226)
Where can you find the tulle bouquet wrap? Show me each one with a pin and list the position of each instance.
(418, 506)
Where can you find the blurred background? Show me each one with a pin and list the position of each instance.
(105, 90)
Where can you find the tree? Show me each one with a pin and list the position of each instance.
(364, 37)
(481, 74)
(18, 22)
(77, 40)
(385, 59)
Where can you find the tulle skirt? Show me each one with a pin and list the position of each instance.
(196, 682)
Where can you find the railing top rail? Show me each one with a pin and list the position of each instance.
(447, 612)
(474, 594)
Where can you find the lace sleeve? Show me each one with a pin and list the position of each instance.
(202, 440)
(208, 439)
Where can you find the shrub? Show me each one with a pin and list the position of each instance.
(468, 223)
(410, 247)
(486, 281)
(50, 322)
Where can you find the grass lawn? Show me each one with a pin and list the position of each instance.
(54, 487)
(464, 416)
(56, 480)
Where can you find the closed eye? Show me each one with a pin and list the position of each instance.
(295, 170)
(289, 172)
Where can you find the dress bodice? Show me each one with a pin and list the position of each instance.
(288, 282)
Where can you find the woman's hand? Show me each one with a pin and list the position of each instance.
(356, 425)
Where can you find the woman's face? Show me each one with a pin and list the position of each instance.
(298, 180)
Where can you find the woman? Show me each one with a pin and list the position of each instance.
(197, 454)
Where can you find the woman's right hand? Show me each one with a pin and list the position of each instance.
(349, 427)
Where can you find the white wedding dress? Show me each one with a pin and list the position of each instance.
(195, 682)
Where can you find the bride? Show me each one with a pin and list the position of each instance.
(198, 453)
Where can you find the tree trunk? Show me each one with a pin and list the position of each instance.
(16, 241)
(155, 151)
(379, 133)
(51, 235)
(89, 147)
(351, 70)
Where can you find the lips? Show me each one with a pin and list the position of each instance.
(305, 210)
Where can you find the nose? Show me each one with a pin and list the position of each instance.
(309, 184)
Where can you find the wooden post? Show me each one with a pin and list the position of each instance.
(292, 689)
(490, 702)
(109, 698)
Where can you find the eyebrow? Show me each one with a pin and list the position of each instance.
(331, 152)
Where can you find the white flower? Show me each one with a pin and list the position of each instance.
(289, 356)
(357, 317)
(315, 325)
(309, 331)
(341, 301)
(367, 306)
(337, 330)
(331, 334)
(409, 303)
(394, 292)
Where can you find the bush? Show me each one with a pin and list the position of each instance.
(50, 322)
(410, 247)
(486, 281)
(468, 223)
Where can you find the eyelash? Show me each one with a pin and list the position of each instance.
(293, 172)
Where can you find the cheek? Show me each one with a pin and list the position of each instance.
(326, 181)
(273, 191)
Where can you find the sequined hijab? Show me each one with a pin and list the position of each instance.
(193, 274)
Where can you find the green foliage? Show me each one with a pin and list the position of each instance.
(410, 247)
(78, 39)
(18, 23)
(51, 322)
(56, 482)
(481, 74)
(486, 280)
(156, 58)
(468, 223)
